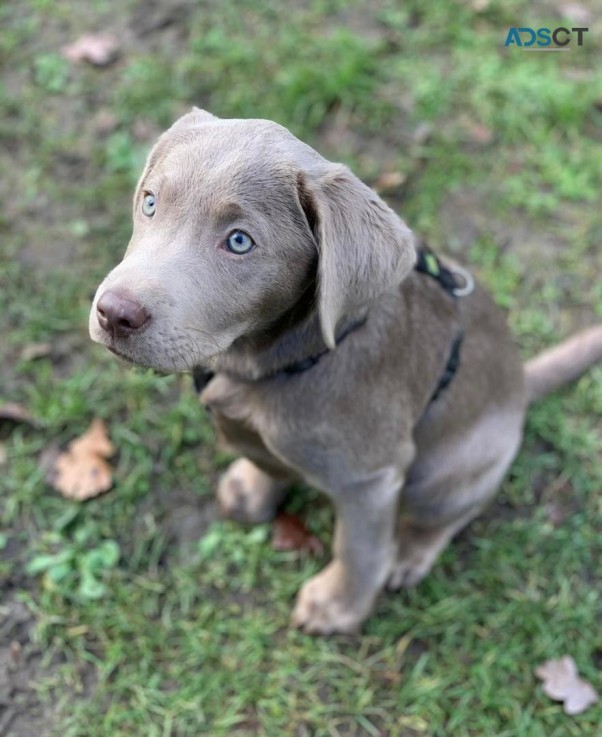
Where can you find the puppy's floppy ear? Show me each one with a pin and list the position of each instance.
(364, 248)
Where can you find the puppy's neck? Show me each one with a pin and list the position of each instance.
(293, 337)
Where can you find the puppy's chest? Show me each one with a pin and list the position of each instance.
(323, 437)
(284, 425)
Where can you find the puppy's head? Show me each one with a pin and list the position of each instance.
(231, 220)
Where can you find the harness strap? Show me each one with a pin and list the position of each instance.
(428, 263)
(202, 377)
(307, 363)
(451, 367)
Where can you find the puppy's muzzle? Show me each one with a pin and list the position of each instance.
(120, 316)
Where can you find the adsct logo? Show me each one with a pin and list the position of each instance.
(544, 39)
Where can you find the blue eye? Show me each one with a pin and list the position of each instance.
(149, 204)
(239, 242)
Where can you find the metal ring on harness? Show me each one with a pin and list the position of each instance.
(468, 287)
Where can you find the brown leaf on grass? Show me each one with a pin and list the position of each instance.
(105, 122)
(145, 130)
(289, 533)
(389, 181)
(33, 351)
(82, 472)
(16, 413)
(480, 133)
(422, 133)
(96, 48)
(561, 682)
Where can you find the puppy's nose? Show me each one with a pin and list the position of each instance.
(120, 316)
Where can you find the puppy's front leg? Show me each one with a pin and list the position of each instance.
(340, 597)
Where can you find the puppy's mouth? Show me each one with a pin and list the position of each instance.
(121, 355)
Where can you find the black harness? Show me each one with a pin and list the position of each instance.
(427, 263)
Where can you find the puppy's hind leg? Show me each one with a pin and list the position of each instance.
(419, 548)
(437, 508)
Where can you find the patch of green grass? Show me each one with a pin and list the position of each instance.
(72, 569)
(188, 638)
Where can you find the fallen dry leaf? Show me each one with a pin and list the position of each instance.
(390, 677)
(561, 682)
(479, 133)
(82, 472)
(15, 651)
(422, 133)
(97, 49)
(105, 121)
(32, 351)
(15, 413)
(289, 533)
(389, 181)
(145, 130)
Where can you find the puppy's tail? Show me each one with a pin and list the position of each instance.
(563, 363)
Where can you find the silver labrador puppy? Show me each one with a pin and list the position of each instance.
(332, 348)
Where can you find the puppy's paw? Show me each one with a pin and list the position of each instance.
(247, 494)
(409, 572)
(324, 607)
(417, 552)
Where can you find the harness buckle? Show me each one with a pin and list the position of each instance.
(466, 276)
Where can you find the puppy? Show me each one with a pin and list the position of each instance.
(330, 346)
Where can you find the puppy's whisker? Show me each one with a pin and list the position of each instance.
(205, 335)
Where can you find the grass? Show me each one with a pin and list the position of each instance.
(183, 636)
